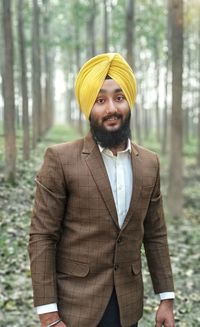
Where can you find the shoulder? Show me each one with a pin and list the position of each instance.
(145, 154)
(67, 146)
(65, 150)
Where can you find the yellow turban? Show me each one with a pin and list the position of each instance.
(93, 73)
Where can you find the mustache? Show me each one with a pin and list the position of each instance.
(116, 115)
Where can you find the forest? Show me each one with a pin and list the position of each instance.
(43, 44)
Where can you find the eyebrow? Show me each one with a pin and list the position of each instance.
(115, 91)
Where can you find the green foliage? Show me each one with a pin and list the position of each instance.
(184, 238)
(16, 305)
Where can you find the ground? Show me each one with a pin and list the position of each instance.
(16, 304)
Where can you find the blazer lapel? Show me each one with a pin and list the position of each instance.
(137, 184)
(97, 168)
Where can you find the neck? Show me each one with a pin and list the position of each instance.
(118, 148)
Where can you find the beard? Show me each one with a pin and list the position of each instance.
(111, 139)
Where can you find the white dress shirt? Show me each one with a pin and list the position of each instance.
(120, 175)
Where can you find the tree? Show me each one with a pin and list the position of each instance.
(130, 27)
(198, 126)
(106, 26)
(8, 94)
(176, 165)
(48, 101)
(91, 30)
(24, 90)
(167, 67)
(36, 76)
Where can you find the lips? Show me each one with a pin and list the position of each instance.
(112, 118)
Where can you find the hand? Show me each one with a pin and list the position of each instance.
(164, 314)
(48, 318)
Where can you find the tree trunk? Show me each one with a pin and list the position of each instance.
(186, 129)
(176, 165)
(36, 76)
(146, 123)
(48, 109)
(198, 126)
(1, 64)
(130, 28)
(137, 121)
(106, 27)
(69, 98)
(165, 112)
(91, 35)
(78, 61)
(157, 64)
(9, 98)
(70, 92)
(22, 55)
(168, 56)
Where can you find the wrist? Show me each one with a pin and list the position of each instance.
(48, 318)
(167, 302)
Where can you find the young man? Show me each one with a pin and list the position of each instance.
(97, 201)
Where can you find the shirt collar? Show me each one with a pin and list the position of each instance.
(128, 148)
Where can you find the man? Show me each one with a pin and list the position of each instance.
(97, 200)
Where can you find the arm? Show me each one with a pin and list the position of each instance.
(155, 242)
(157, 253)
(48, 213)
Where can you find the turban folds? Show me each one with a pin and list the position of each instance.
(93, 73)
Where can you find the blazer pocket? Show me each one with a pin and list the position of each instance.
(72, 268)
(136, 267)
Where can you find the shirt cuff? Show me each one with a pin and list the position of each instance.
(46, 308)
(167, 295)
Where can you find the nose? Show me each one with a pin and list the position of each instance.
(111, 107)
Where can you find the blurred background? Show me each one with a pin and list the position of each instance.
(43, 44)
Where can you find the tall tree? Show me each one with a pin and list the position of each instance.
(8, 94)
(91, 29)
(76, 7)
(167, 55)
(157, 87)
(130, 29)
(1, 64)
(36, 76)
(176, 165)
(165, 111)
(24, 90)
(130, 26)
(198, 126)
(106, 26)
(48, 103)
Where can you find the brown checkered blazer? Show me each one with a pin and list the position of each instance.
(77, 250)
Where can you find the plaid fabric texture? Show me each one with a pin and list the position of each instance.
(78, 252)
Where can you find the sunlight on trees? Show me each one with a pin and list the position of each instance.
(58, 36)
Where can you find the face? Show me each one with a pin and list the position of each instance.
(111, 107)
(110, 117)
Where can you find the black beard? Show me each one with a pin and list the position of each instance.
(111, 139)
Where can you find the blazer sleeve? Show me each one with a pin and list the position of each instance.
(46, 227)
(155, 242)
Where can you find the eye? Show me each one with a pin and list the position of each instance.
(100, 100)
(120, 97)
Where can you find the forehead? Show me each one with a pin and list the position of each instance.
(109, 85)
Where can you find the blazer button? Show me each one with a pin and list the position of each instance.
(116, 267)
(119, 240)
